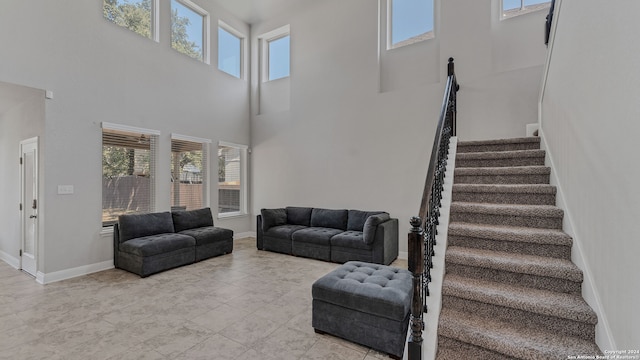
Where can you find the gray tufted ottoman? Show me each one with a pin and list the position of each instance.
(365, 303)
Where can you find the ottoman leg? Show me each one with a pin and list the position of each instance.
(319, 331)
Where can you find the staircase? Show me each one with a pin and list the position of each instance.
(510, 290)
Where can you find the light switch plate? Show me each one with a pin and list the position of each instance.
(65, 189)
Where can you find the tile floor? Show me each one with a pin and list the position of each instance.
(246, 305)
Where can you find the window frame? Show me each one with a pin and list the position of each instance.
(243, 181)
(154, 18)
(153, 161)
(232, 31)
(515, 12)
(412, 40)
(206, 29)
(265, 39)
(206, 176)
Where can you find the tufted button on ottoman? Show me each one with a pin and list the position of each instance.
(365, 303)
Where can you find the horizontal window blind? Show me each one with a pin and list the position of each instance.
(189, 161)
(128, 173)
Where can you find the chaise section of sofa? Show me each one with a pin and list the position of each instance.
(329, 235)
(145, 244)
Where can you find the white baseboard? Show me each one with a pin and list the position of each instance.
(48, 278)
(604, 337)
(403, 255)
(243, 235)
(14, 262)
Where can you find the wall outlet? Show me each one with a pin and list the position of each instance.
(65, 189)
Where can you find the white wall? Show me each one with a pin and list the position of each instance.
(359, 123)
(590, 113)
(21, 118)
(101, 72)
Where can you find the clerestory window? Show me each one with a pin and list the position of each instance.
(189, 29)
(409, 21)
(230, 43)
(139, 16)
(511, 8)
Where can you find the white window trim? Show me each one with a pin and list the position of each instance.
(243, 180)
(206, 201)
(264, 41)
(228, 28)
(206, 28)
(528, 10)
(414, 40)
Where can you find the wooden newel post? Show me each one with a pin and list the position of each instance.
(416, 267)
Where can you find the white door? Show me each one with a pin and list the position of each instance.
(29, 204)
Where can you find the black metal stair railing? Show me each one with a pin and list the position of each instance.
(422, 236)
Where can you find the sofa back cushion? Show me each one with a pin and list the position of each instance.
(299, 215)
(357, 219)
(371, 225)
(139, 225)
(191, 219)
(335, 219)
(273, 217)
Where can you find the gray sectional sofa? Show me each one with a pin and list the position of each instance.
(145, 244)
(330, 235)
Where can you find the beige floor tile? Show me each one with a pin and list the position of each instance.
(220, 317)
(179, 339)
(328, 350)
(250, 330)
(216, 347)
(286, 344)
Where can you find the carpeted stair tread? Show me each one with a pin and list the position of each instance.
(501, 170)
(514, 263)
(508, 209)
(506, 188)
(543, 302)
(499, 144)
(496, 155)
(510, 233)
(510, 338)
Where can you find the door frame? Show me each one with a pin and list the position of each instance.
(24, 206)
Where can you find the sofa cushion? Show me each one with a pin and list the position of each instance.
(209, 234)
(157, 244)
(370, 226)
(350, 239)
(357, 219)
(315, 235)
(273, 217)
(326, 218)
(139, 225)
(283, 231)
(191, 219)
(299, 215)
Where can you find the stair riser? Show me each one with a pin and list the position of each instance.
(451, 349)
(523, 161)
(512, 278)
(462, 148)
(501, 179)
(530, 320)
(504, 198)
(554, 251)
(508, 220)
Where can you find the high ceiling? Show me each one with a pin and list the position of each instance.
(255, 11)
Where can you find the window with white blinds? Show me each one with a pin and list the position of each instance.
(189, 172)
(128, 171)
(231, 179)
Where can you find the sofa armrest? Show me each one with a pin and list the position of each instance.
(259, 233)
(385, 245)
